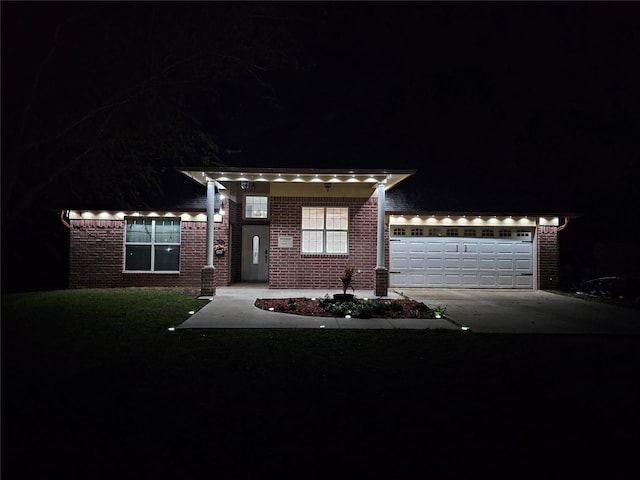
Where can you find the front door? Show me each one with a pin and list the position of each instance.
(255, 253)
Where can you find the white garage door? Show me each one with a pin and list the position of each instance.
(462, 262)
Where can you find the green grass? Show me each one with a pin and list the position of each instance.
(95, 386)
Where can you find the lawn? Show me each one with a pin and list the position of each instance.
(94, 385)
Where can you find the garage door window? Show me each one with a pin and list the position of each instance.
(325, 230)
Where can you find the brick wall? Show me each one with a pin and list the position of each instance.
(547, 256)
(97, 257)
(289, 268)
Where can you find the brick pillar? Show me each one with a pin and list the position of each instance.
(547, 257)
(382, 282)
(207, 282)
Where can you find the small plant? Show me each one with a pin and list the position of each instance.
(347, 279)
(439, 311)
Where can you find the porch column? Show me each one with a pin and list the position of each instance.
(207, 280)
(382, 274)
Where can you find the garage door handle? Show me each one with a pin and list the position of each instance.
(465, 249)
(456, 248)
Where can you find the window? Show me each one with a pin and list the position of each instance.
(469, 232)
(452, 232)
(504, 233)
(398, 232)
(487, 232)
(256, 206)
(152, 245)
(417, 232)
(434, 232)
(324, 230)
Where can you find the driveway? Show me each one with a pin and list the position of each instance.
(527, 311)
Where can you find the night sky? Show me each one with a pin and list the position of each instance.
(508, 106)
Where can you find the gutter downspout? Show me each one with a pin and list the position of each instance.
(63, 221)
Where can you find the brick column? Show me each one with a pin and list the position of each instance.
(547, 257)
(207, 282)
(382, 282)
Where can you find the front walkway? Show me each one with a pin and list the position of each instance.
(233, 307)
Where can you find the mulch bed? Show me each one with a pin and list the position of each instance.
(358, 308)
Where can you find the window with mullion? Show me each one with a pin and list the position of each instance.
(325, 230)
(152, 245)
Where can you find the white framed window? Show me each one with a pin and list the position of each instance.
(417, 232)
(325, 230)
(152, 244)
(398, 232)
(256, 206)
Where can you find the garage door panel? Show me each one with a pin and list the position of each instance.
(452, 280)
(416, 279)
(434, 247)
(452, 262)
(524, 281)
(505, 280)
(505, 264)
(435, 263)
(461, 262)
(469, 280)
(470, 264)
(524, 248)
(416, 263)
(487, 248)
(487, 263)
(487, 280)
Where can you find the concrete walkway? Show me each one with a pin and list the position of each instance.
(233, 307)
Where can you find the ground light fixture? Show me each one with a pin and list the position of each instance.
(464, 328)
(171, 329)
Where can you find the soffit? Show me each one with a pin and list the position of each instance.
(293, 175)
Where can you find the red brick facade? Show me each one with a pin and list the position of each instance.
(289, 268)
(97, 257)
(97, 250)
(547, 257)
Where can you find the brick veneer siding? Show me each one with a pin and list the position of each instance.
(96, 257)
(547, 256)
(289, 268)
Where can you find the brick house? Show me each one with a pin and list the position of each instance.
(300, 227)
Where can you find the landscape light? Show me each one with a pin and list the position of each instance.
(191, 312)
(464, 328)
(171, 329)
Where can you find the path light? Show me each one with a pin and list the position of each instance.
(465, 328)
(347, 316)
(271, 309)
(321, 326)
(171, 329)
(191, 312)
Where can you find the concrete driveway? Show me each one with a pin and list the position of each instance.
(528, 311)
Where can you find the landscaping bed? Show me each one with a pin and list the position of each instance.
(357, 308)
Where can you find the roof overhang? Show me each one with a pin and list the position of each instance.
(296, 175)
